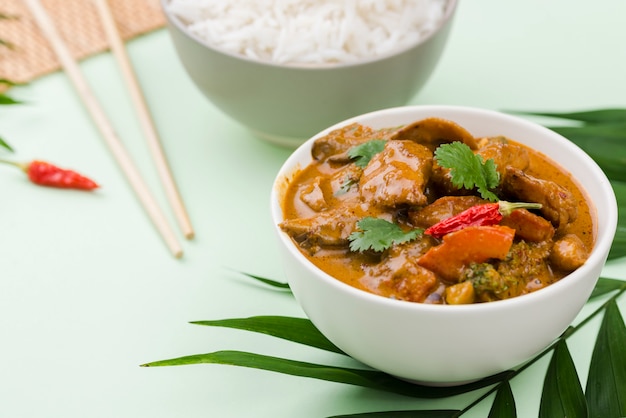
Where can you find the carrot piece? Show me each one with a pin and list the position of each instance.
(474, 244)
(528, 226)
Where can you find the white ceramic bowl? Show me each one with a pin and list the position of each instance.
(446, 344)
(287, 104)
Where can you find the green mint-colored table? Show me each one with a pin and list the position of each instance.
(88, 290)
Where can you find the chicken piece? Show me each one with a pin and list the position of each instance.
(442, 208)
(568, 253)
(313, 195)
(336, 143)
(432, 132)
(323, 192)
(528, 226)
(398, 276)
(504, 154)
(329, 228)
(412, 249)
(398, 175)
(558, 204)
(409, 282)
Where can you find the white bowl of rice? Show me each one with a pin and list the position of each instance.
(285, 69)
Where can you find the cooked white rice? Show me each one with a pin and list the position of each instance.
(309, 31)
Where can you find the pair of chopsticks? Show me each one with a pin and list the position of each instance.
(116, 147)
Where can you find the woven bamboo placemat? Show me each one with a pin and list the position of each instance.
(78, 23)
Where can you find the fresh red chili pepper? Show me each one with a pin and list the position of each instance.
(46, 174)
(480, 215)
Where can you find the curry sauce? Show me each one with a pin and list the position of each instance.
(405, 185)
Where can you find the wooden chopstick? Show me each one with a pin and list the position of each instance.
(147, 124)
(115, 145)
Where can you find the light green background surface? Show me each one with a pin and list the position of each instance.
(88, 291)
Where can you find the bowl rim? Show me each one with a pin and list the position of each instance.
(597, 257)
(450, 9)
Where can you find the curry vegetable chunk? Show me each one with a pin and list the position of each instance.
(360, 209)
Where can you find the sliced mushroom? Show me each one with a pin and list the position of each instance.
(504, 154)
(432, 132)
(336, 143)
(313, 195)
(442, 208)
(328, 228)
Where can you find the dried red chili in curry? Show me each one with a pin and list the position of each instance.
(511, 254)
(479, 215)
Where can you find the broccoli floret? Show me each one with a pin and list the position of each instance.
(488, 283)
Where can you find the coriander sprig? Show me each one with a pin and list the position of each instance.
(468, 170)
(363, 153)
(379, 234)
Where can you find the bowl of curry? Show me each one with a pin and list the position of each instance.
(442, 244)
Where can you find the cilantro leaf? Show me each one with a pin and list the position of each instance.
(378, 234)
(468, 170)
(346, 186)
(363, 153)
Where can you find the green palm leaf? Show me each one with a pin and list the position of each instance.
(298, 330)
(562, 394)
(606, 383)
(7, 44)
(606, 144)
(270, 282)
(441, 413)
(602, 134)
(8, 100)
(5, 145)
(5, 99)
(4, 42)
(561, 382)
(372, 379)
(589, 116)
(8, 82)
(605, 286)
(618, 248)
(504, 403)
